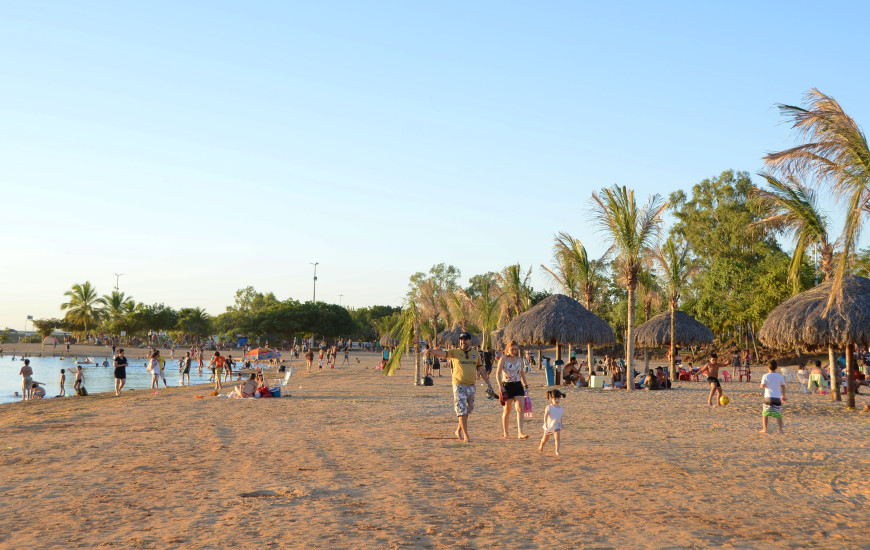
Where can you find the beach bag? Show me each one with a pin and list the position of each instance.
(81, 391)
(264, 392)
(436, 365)
(527, 407)
(427, 381)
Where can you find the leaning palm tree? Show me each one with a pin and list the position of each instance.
(459, 306)
(631, 231)
(406, 332)
(587, 273)
(676, 269)
(83, 305)
(834, 153)
(515, 285)
(793, 208)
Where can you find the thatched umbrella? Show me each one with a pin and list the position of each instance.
(801, 321)
(688, 331)
(559, 320)
(388, 341)
(497, 337)
(451, 337)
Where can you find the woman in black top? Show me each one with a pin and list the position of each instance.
(120, 371)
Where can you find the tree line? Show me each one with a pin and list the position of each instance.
(253, 314)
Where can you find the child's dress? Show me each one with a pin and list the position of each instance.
(553, 422)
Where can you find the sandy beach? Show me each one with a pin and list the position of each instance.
(355, 459)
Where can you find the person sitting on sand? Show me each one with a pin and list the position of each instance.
(663, 380)
(651, 381)
(711, 368)
(248, 387)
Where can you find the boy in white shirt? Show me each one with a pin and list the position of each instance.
(773, 385)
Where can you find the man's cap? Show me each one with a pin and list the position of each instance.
(465, 336)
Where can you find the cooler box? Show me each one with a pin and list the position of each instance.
(551, 376)
(596, 381)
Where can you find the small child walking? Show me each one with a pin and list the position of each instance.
(552, 419)
(773, 384)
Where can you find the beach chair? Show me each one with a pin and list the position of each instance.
(816, 381)
(741, 372)
(726, 377)
(786, 373)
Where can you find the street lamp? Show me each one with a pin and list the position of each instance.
(339, 299)
(314, 293)
(117, 280)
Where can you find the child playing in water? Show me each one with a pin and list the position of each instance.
(552, 419)
(62, 382)
(80, 379)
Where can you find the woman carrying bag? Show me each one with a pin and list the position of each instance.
(512, 387)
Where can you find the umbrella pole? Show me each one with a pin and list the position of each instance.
(835, 376)
(850, 376)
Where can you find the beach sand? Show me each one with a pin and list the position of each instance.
(358, 460)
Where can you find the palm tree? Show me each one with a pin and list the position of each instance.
(426, 299)
(586, 272)
(485, 310)
(835, 153)
(116, 305)
(194, 322)
(631, 231)
(458, 306)
(81, 309)
(793, 208)
(515, 285)
(407, 332)
(676, 269)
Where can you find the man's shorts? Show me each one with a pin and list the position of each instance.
(463, 399)
(772, 407)
(26, 384)
(714, 380)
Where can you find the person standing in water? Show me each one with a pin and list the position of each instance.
(120, 364)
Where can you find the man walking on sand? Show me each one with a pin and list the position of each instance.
(712, 369)
(467, 365)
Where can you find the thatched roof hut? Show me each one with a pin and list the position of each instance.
(559, 319)
(687, 331)
(801, 320)
(497, 338)
(452, 337)
(388, 341)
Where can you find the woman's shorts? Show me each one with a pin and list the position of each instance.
(121, 373)
(514, 389)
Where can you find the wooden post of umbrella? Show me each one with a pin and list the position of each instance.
(850, 376)
(558, 365)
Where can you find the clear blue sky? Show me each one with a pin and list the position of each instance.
(198, 148)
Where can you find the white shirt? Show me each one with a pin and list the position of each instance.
(773, 383)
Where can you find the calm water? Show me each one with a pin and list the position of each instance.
(97, 378)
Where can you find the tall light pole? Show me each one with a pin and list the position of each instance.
(117, 280)
(314, 293)
(339, 299)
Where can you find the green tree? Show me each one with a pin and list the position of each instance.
(676, 268)
(793, 208)
(631, 231)
(46, 326)
(515, 286)
(82, 308)
(835, 153)
(194, 323)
